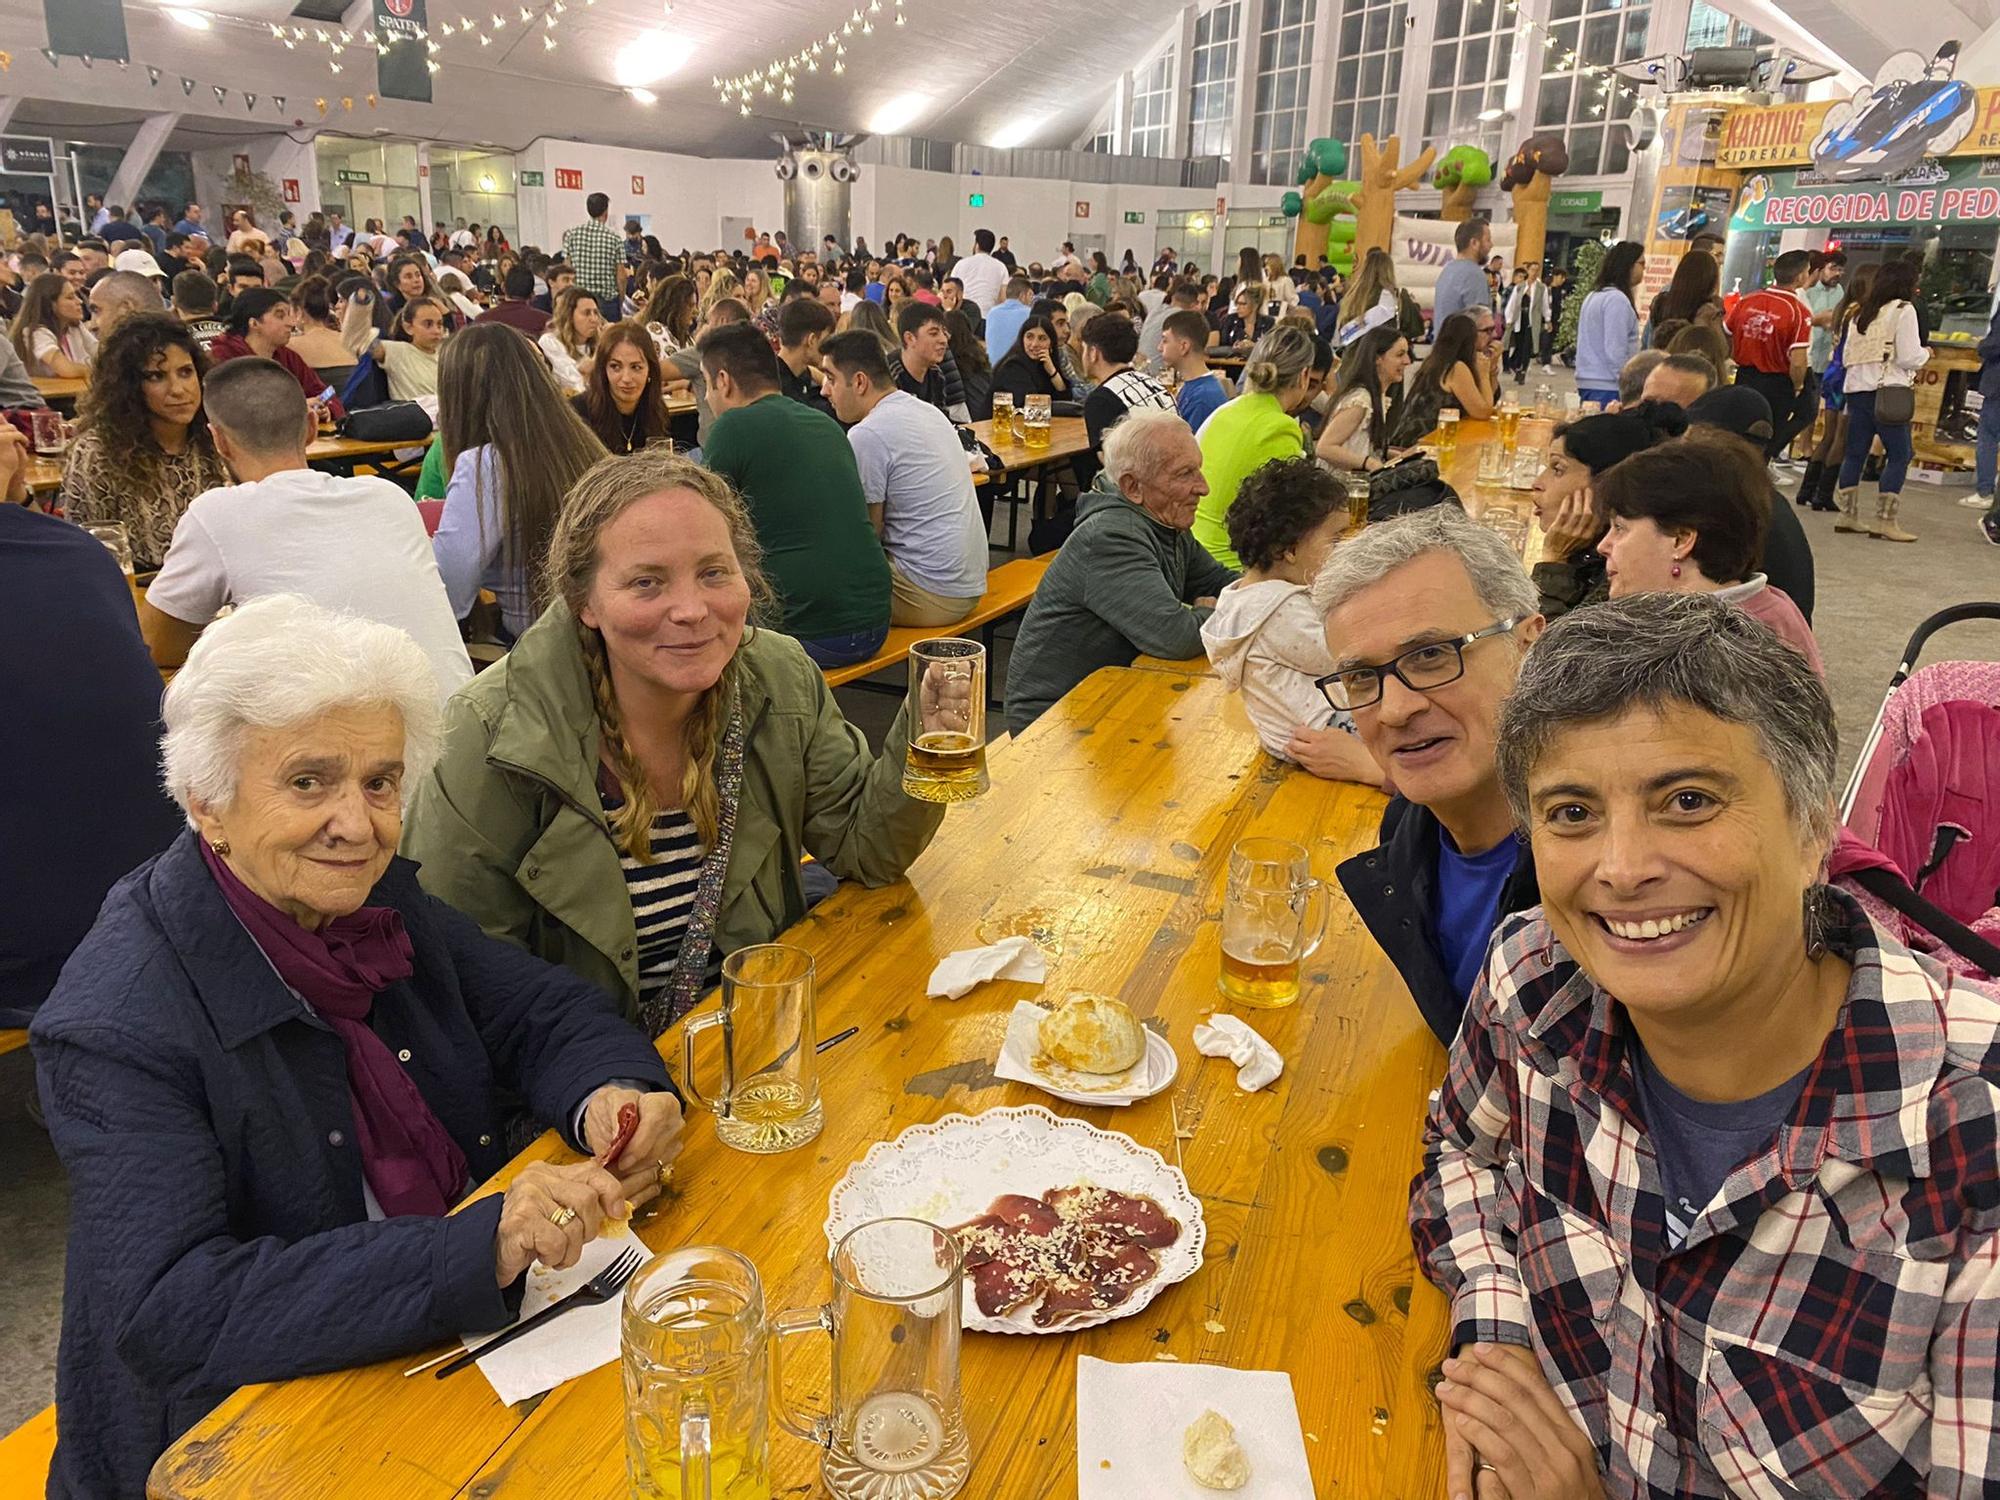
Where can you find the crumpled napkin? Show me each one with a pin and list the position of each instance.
(1257, 1061)
(567, 1346)
(1010, 958)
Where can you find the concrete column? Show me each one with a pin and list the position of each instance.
(1250, 23)
(1319, 79)
(139, 157)
(1177, 106)
(1418, 33)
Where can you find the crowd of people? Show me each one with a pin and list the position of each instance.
(422, 913)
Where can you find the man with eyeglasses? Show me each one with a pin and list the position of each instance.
(1427, 618)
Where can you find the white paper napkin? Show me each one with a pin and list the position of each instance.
(567, 1346)
(1129, 1421)
(1017, 1055)
(1257, 1061)
(1010, 958)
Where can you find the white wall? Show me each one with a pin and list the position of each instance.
(684, 200)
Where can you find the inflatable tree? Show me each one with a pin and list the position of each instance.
(1381, 179)
(1320, 167)
(1531, 172)
(1460, 173)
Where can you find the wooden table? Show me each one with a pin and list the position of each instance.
(60, 390)
(342, 455)
(1109, 824)
(1020, 464)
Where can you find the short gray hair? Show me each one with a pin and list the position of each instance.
(1653, 650)
(1497, 577)
(1632, 375)
(1132, 446)
(137, 293)
(280, 660)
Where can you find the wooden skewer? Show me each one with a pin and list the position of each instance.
(430, 1364)
(1174, 1110)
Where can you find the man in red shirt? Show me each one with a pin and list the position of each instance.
(1770, 331)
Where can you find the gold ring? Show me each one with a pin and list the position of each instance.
(561, 1216)
(1481, 1466)
(666, 1173)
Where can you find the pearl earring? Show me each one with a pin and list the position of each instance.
(1677, 570)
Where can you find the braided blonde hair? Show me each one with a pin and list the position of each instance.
(606, 490)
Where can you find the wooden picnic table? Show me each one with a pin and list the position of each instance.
(61, 390)
(1067, 438)
(1108, 826)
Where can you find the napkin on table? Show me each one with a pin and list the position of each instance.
(571, 1344)
(1257, 1061)
(1129, 1421)
(1010, 958)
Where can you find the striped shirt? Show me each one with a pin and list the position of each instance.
(662, 895)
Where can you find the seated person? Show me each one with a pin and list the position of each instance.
(513, 448)
(1356, 434)
(1710, 1181)
(1744, 417)
(687, 742)
(1264, 639)
(118, 295)
(144, 451)
(683, 366)
(1246, 321)
(1261, 423)
(570, 340)
(49, 332)
(92, 807)
(802, 325)
(1680, 378)
(286, 1062)
(917, 481)
(516, 307)
(1110, 340)
(1690, 517)
(195, 299)
(1180, 296)
(1633, 374)
(318, 340)
(1570, 573)
(1129, 581)
(622, 400)
(285, 528)
(1030, 367)
(1427, 618)
(796, 473)
(923, 367)
(409, 354)
(1458, 373)
(1184, 351)
(260, 327)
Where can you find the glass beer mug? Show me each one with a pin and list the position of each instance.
(696, 1361)
(1003, 418)
(1036, 418)
(769, 1100)
(1447, 435)
(946, 761)
(1274, 914)
(895, 1430)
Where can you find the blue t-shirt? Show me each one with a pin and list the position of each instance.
(1462, 284)
(1468, 906)
(1197, 398)
(1698, 1143)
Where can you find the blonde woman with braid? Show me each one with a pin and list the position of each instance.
(630, 792)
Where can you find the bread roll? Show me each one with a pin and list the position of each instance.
(1214, 1459)
(1093, 1034)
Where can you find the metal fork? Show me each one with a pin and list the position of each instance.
(602, 1287)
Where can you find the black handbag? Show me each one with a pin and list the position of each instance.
(1895, 405)
(1411, 484)
(394, 422)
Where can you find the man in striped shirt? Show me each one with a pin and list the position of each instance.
(1110, 341)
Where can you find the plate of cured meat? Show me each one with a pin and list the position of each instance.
(1064, 1225)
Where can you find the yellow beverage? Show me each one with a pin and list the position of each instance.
(769, 1114)
(655, 1472)
(944, 766)
(1003, 419)
(1510, 425)
(1037, 434)
(1447, 442)
(696, 1350)
(1262, 978)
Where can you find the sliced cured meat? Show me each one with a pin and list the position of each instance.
(1074, 1250)
(1140, 1220)
(1030, 1214)
(1011, 1275)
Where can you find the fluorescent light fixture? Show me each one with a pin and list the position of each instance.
(643, 96)
(194, 20)
(649, 58)
(897, 115)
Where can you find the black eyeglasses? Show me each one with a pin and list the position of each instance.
(1420, 669)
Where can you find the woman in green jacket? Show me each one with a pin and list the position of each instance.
(1257, 426)
(631, 791)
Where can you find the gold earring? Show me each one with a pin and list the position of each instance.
(220, 846)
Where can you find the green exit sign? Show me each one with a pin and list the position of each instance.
(1132, 218)
(975, 200)
(346, 176)
(531, 179)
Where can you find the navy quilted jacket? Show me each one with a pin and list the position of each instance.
(218, 1233)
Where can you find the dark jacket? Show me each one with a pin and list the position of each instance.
(1123, 586)
(1394, 888)
(1989, 359)
(1577, 580)
(218, 1233)
(1788, 558)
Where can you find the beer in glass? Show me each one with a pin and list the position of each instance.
(946, 761)
(1037, 420)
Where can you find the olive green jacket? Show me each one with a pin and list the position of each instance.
(509, 827)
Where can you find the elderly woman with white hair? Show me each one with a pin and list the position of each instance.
(275, 1063)
(1711, 1182)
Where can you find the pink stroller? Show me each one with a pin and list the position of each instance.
(1921, 845)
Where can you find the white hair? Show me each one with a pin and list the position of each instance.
(1503, 587)
(1132, 446)
(281, 660)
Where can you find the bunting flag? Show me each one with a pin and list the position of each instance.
(347, 104)
(152, 75)
(85, 60)
(320, 105)
(187, 85)
(249, 101)
(279, 101)
(221, 93)
(50, 54)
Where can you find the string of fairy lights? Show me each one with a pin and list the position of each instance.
(780, 75)
(1609, 89)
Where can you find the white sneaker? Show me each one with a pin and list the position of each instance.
(1976, 502)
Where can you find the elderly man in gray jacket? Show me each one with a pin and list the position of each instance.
(1130, 581)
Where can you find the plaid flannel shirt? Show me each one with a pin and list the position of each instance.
(1830, 1327)
(596, 251)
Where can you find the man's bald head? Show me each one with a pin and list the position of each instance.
(1680, 378)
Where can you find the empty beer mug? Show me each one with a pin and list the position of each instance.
(946, 761)
(894, 1430)
(1274, 915)
(769, 1100)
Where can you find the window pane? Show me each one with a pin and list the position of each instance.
(1600, 40)
(1479, 16)
(1449, 14)
(1553, 108)
(1617, 155)
(1565, 36)
(1585, 144)
(1472, 61)
(1635, 39)
(1371, 74)
(1560, 9)
(1437, 117)
(1346, 75)
(1350, 32)
(1378, 29)
(1444, 61)
(1288, 50)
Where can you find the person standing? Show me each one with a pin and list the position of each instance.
(1607, 331)
(1462, 284)
(597, 253)
(1526, 320)
(1883, 349)
(1770, 330)
(982, 275)
(1823, 294)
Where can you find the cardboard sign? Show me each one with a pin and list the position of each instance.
(570, 177)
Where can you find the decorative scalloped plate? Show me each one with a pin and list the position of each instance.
(950, 1171)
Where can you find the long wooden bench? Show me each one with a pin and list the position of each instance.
(1009, 587)
(25, 1454)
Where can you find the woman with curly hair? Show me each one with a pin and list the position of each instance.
(570, 341)
(144, 452)
(670, 314)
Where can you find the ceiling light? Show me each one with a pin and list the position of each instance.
(898, 114)
(1007, 137)
(1488, 116)
(488, 183)
(649, 57)
(194, 20)
(644, 96)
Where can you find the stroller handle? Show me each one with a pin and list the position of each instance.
(1953, 615)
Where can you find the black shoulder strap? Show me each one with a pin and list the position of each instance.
(1941, 925)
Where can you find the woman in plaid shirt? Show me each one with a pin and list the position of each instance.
(1712, 1183)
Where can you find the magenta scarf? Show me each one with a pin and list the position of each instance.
(410, 1161)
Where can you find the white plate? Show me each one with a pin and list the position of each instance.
(949, 1172)
(1154, 1071)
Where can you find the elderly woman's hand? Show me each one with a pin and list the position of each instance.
(550, 1213)
(641, 1167)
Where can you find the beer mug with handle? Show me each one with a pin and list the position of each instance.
(1274, 915)
(946, 760)
(769, 1100)
(895, 1430)
(696, 1361)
